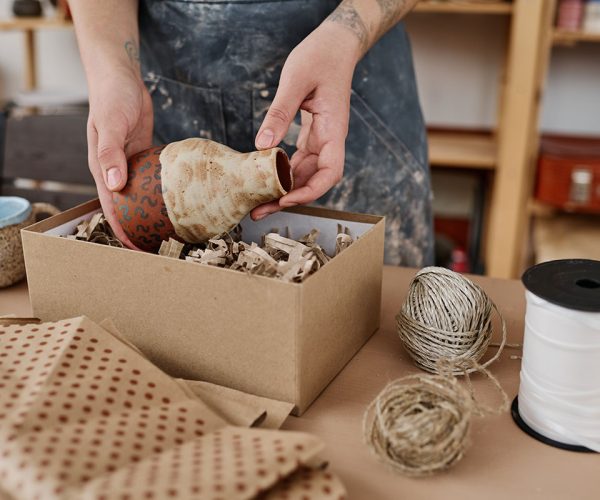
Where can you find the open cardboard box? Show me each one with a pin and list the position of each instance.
(280, 340)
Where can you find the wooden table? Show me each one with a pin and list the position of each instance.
(502, 462)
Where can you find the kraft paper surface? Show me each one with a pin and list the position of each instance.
(240, 408)
(83, 415)
(236, 407)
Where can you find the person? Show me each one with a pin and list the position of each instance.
(333, 82)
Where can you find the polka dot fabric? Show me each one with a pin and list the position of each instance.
(83, 415)
(229, 463)
(308, 484)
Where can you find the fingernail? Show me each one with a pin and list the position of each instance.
(113, 177)
(260, 217)
(265, 138)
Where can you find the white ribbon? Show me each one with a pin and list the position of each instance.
(559, 394)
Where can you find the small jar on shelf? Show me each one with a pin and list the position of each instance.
(591, 23)
(570, 15)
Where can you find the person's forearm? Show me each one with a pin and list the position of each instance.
(369, 20)
(108, 36)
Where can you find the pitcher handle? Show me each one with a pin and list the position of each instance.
(43, 208)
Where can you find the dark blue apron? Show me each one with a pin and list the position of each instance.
(212, 68)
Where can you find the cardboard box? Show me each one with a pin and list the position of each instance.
(280, 340)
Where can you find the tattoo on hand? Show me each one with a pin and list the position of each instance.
(347, 16)
(132, 51)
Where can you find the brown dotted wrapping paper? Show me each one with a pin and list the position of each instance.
(85, 415)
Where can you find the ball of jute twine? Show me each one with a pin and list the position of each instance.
(419, 424)
(447, 316)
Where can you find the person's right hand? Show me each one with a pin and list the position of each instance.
(119, 125)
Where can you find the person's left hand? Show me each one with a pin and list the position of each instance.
(316, 78)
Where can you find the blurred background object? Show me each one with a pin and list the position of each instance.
(592, 17)
(43, 151)
(486, 71)
(566, 209)
(578, 15)
(15, 214)
(27, 8)
(570, 14)
(569, 173)
(566, 236)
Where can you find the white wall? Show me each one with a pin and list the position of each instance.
(458, 59)
(572, 97)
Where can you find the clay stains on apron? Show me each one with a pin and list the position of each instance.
(213, 67)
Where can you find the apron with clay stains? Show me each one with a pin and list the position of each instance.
(212, 68)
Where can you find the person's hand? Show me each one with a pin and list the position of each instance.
(316, 79)
(119, 125)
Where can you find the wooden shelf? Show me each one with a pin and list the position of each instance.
(572, 37)
(33, 23)
(29, 27)
(464, 7)
(462, 150)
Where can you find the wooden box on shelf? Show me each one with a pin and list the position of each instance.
(569, 173)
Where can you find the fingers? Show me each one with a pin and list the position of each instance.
(111, 156)
(306, 121)
(282, 111)
(105, 196)
(108, 207)
(296, 159)
(330, 166)
(314, 175)
(262, 211)
(305, 169)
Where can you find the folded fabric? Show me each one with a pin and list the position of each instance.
(85, 415)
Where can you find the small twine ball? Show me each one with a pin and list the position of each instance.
(419, 424)
(446, 316)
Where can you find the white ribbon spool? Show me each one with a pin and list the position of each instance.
(559, 394)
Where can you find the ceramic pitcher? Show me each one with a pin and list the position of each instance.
(195, 189)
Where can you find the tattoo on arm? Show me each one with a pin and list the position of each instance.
(346, 15)
(391, 12)
(132, 51)
(388, 7)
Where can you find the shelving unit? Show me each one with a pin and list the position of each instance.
(508, 153)
(473, 150)
(29, 27)
(549, 221)
(573, 37)
(464, 7)
(462, 149)
(33, 23)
